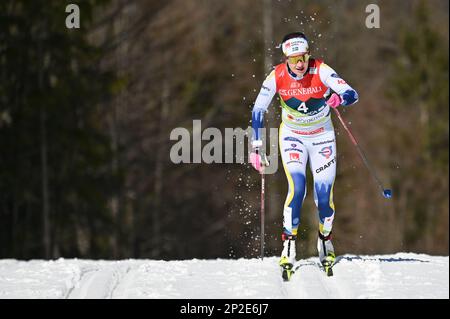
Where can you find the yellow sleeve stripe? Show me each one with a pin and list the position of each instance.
(288, 174)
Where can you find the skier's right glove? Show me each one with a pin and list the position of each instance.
(257, 158)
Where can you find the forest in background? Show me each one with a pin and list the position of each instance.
(86, 115)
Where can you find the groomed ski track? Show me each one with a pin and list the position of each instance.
(403, 275)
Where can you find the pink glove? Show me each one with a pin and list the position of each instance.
(255, 160)
(334, 101)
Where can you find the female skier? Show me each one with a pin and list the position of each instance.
(308, 89)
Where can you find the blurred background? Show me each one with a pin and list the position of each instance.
(85, 118)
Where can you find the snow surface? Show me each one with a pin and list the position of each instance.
(403, 275)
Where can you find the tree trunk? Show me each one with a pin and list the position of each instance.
(159, 166)
(45, 199)
(44, 164)
(273, 210)
(114, 200)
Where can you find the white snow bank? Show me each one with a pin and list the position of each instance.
(403, 275)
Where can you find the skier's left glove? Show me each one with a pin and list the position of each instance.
(334, 101)
(257, 158)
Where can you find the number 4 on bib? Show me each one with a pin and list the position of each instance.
(303, 108)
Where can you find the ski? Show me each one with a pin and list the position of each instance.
(328, 270)
(327, 267)
(287, 271)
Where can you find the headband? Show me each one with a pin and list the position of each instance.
(295, 46)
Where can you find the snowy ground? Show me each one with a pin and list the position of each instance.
(403, 275)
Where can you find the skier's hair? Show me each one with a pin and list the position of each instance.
(294, 35)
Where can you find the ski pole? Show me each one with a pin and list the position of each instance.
(387, 193)
(264, 163)
(262, 214)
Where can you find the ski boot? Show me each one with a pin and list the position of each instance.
(326, 253)
(287, 256)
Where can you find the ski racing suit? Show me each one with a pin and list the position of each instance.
(306, 133)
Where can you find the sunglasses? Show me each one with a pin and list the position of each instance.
(299, 58)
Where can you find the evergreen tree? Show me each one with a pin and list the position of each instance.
(420, 93)
(54, 179)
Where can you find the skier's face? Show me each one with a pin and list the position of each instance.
(298, 63)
